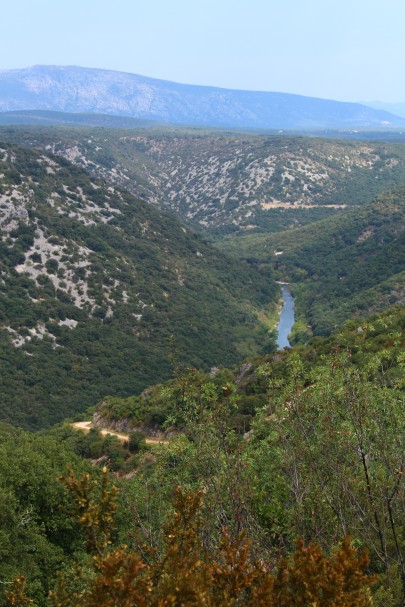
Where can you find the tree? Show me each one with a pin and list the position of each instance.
(335, 434)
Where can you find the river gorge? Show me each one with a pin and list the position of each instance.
(287, 318)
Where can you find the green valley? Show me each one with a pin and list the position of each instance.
(343, 266)
(238, 474)
(95, 282)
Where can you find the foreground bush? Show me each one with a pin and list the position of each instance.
(186, 573)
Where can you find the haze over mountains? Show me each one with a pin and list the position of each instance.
(394, 108)
(77, 89)
(166, 438)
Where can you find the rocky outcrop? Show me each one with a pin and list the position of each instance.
(125, 425)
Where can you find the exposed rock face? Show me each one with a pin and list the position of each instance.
(245, 368)
(125, 425)
(117, 425)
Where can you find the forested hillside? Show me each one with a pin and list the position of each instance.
(94, 282)
(224, 182)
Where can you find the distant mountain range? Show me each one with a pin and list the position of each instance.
(77, 89)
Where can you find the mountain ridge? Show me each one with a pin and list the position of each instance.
(72, 88)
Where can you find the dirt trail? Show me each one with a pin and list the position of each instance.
(123, 437)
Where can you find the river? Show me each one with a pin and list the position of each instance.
(286, 319)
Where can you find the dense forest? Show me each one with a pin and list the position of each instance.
(305, 443)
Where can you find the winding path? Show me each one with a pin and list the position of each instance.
(123, 437)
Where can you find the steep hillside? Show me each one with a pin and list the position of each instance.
(93, 283)
(150, 410)
(346, 265)
(224, 182)
(77, 89)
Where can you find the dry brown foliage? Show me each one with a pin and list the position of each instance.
(187, 575)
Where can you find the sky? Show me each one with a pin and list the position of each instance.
(348, 50)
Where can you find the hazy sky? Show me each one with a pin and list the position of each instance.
(349, 50)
